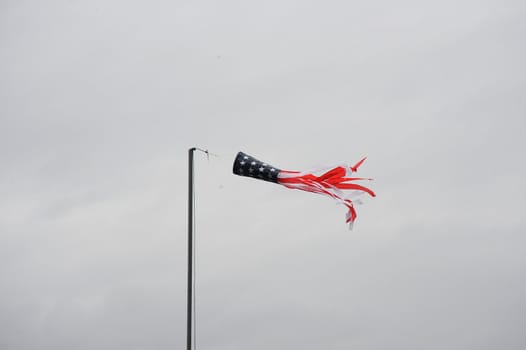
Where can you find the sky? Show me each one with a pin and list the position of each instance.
(100, 101)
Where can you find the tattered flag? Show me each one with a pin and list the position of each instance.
(336, 182)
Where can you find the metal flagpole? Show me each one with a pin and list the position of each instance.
(190, 246)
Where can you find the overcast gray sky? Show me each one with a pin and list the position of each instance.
(100, 100)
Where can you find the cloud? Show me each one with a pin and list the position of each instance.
(99, 102)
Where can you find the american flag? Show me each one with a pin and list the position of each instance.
(336, 182)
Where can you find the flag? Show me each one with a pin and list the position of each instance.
(336, 182)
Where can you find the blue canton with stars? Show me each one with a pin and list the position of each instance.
(245, 165)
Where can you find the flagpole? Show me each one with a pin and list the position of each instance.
(190, 246)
